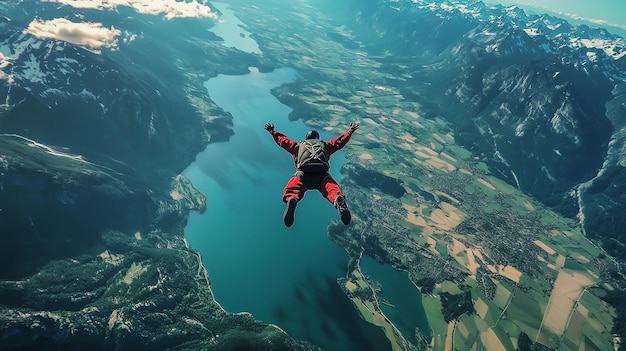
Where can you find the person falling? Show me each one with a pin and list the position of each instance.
(311, 158)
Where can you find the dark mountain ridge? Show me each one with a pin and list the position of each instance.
(529, 93)
(92, 207)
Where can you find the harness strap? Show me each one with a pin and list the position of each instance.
(315, 150)
(313, 153)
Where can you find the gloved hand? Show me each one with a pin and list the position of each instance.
(269, 127)
(354, 126)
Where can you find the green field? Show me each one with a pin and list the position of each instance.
(457, 223)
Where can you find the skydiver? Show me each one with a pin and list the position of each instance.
(311, 158)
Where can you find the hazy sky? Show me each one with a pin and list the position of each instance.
(601, 12)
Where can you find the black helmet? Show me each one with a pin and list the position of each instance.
(312, 134)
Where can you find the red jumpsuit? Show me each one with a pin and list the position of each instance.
(297, 186)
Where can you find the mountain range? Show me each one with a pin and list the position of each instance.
(92, 209)
(541, 98)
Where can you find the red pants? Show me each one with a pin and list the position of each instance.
(300, 183)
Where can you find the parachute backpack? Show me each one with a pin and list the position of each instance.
(312, 156)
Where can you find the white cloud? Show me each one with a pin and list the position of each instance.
(88, 35)
(171, 8)
(4, 62)
(599, 22)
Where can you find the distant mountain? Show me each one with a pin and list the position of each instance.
(540, 99)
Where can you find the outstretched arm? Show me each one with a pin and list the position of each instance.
(340, 141)
(282, 140)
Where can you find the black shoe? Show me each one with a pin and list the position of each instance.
(342, 207)
(289, 212)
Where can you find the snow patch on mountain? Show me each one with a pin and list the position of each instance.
(31, 69)
(13, 49)
(532, 32)
(68, 65)
(614, 48)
